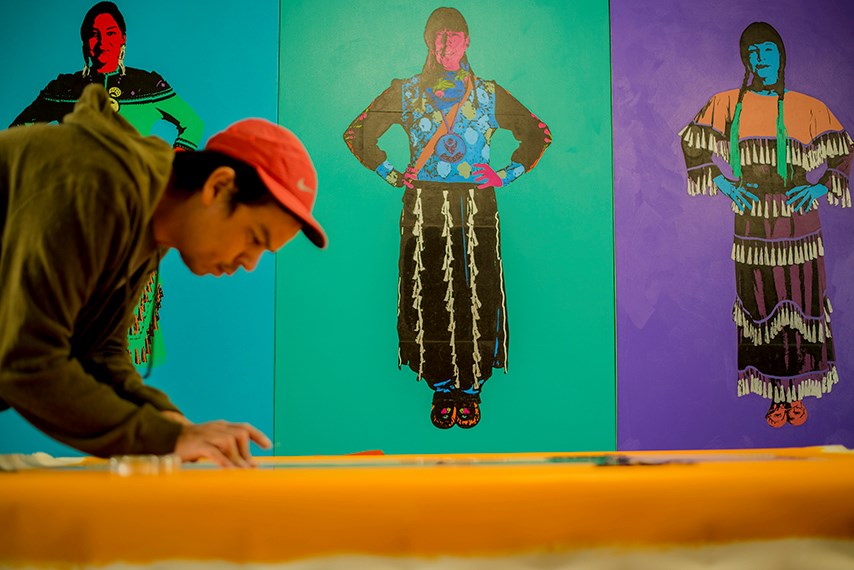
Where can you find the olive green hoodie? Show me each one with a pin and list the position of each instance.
(76, 248)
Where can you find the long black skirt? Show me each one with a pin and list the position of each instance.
(452, 310)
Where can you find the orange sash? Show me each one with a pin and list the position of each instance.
(443, 129)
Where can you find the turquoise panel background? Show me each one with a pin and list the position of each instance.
(221, 57)
(338, 387)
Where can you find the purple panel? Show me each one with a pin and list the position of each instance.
(676, 342)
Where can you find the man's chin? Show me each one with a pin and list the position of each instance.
(196, 269)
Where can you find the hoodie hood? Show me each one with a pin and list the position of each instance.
(147, 159)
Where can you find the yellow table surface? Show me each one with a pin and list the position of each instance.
(406, 505)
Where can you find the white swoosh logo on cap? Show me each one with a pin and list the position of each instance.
(302, 187)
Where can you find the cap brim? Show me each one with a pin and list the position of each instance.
(310, 227)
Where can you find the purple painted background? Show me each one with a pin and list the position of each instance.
(676, 342)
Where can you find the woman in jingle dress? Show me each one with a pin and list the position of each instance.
(774, 153)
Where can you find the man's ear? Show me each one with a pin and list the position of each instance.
(219, 185)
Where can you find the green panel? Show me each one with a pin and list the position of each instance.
(338, 386)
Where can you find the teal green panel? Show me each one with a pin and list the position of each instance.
(338, 386)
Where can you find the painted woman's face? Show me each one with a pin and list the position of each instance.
(764, 61)
(105, 42)
(450, 48)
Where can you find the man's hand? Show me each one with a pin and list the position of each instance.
(224, 443)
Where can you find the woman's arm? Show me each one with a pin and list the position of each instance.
(186, 120)
(532, 133)
(363, 134)
(46, 108)
(705, 150)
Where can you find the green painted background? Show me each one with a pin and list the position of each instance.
(337, 387)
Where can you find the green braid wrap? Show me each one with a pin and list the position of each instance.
(782, 140)
(734, 156)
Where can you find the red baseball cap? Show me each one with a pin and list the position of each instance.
(282, 163)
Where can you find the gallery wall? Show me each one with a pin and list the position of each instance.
(619, 285)
(338, 385)
(677, 357)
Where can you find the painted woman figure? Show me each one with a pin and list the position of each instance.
(141, 97)
(452, 312)
(774, 153)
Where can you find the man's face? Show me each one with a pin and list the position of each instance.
(216, 240)
(450, 48)
(105, 42)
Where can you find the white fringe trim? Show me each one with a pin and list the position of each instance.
(701, 182)
(503, 296)
(778, 254)
(448, 267)
(701, 137)
(764, 151)
(815, 330)
(839, 190)
(471, 245)
(417, 287)
(772, 390)
(773, 206)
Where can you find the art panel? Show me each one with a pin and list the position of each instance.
(143, 98)
(446, 237)
(169, 71)
(730, 142)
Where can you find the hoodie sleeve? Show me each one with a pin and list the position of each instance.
(64, 243)
(113, 365)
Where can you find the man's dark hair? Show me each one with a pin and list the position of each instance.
(190, 170)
